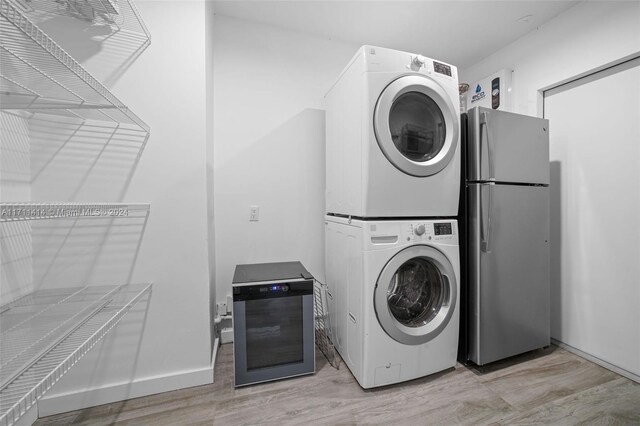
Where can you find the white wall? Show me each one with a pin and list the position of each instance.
(269, 87)
(585, 37)
(167, 346)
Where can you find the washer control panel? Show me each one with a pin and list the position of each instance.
(443, 228)
(429, 231)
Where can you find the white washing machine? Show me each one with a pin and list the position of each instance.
(392, 131)
(393, 296)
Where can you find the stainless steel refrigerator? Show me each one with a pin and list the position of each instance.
(505, 212)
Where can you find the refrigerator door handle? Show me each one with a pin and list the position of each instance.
(483, 233)
(484, 122)
(485, 236)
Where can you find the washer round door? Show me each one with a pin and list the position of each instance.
(416, 294)
(416, 125)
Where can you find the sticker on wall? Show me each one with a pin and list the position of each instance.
(493, 91)
(478, 95)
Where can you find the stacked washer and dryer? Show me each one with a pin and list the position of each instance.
(392, 194)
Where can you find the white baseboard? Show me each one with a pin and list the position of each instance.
(56, 404)
(621, 371)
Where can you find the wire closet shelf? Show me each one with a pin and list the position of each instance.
(120, 15)
(47, 332)
(38, 76)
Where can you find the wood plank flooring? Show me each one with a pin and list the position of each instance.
(548, 386)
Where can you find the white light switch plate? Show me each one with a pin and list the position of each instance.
(254, 213)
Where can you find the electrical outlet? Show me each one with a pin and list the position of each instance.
(254, 213)
(226, 335)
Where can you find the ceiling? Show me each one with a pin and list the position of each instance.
(458, 32)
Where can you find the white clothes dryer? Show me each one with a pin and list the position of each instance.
(392, 131)
(393, 296)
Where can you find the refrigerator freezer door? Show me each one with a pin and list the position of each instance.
(507, 147)
(508, 270)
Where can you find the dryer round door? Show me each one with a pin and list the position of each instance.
(415, 295)
(416, 125)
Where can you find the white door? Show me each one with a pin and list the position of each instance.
(595, 205)
(415, 295)
(416, 125)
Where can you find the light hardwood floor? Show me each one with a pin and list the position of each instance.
(549, 386)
